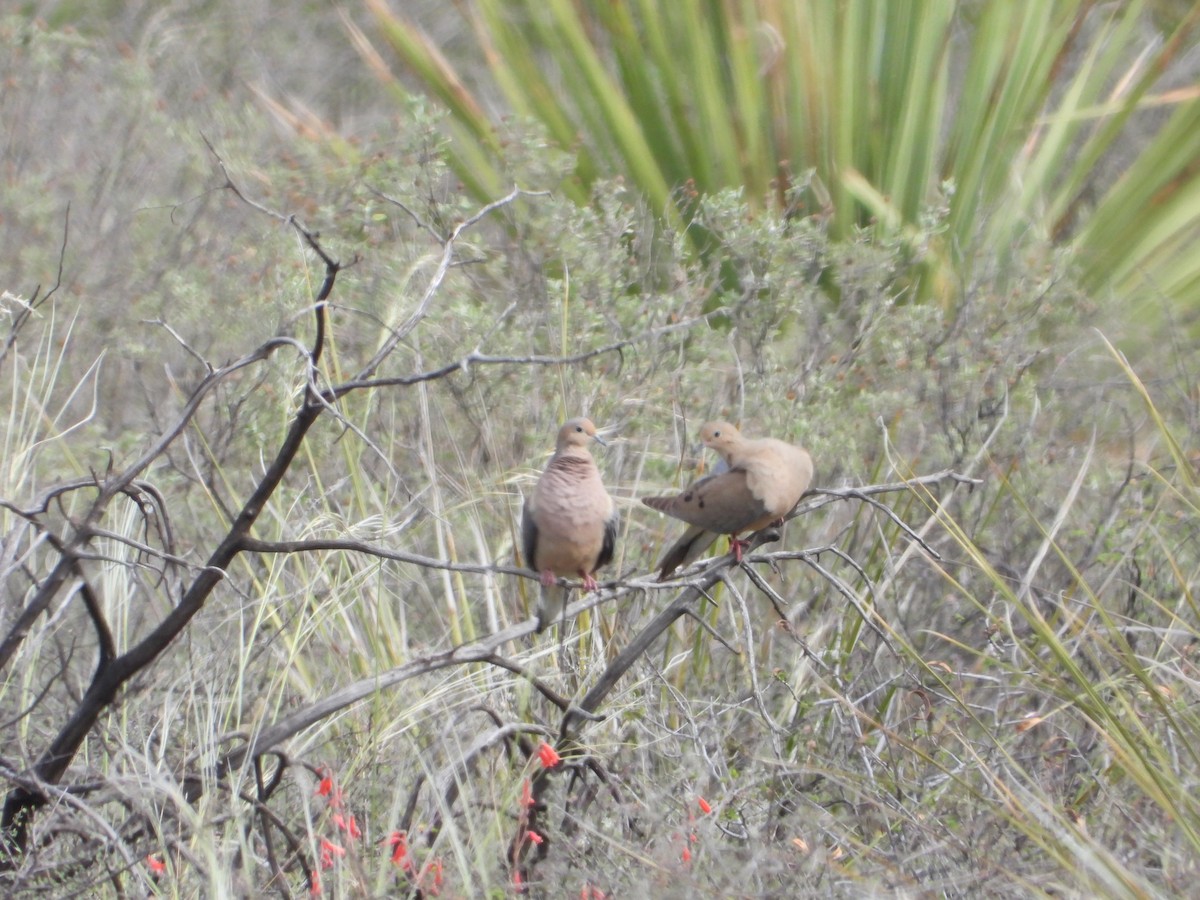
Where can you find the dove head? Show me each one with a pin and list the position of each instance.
(577, 433)
(721, 437)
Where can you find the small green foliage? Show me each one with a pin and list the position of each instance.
(983, 712)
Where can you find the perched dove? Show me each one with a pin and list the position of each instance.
(762, 480)
(569, 525)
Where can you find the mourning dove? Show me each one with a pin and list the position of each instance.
(569, 525)
(762, 480)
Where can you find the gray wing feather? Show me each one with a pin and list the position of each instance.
(610, 540)
(529, 536)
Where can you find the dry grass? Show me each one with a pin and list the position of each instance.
(999, 701)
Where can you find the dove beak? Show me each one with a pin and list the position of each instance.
(601, 433)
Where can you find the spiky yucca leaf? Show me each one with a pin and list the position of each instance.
(1011, 103)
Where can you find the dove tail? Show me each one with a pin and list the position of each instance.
(551, 602)
(659, 503)
(686, 550)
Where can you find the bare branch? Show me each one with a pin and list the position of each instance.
(113, 673)
(503, 662)
(91, 603)
(449, 780)
(480, 651)
(417, 220)
(434, 285)
(29, 308)
(868, 493)
(752, 665)
(475, 358)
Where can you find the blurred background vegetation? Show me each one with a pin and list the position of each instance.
(903, 234)
(862, 112)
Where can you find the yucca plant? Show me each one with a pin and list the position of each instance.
(1002, 109)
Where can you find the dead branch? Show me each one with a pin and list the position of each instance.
(37, 298)
(115, 670)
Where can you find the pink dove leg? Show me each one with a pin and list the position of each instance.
(738, 547)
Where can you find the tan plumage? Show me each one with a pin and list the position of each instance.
(762, 481)
(569, 524)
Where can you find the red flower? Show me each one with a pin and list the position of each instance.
(704, 807)
(327, 788)
(686, 856)
(350, 826)
(330, 851)
(534, 836)
(157, 866)
(435, 870)
(398, 841)
(315, 879)
(527, 794)
(548, 755)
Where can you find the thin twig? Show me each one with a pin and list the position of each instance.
(433, 286)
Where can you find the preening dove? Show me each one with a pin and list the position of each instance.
(763, 480)
(569, 525)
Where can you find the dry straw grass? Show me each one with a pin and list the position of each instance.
(969, 684)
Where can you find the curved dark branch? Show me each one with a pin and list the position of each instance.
(42, 598)
(121, 482)
(91, 603)
(125, 482)
(114, 673)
